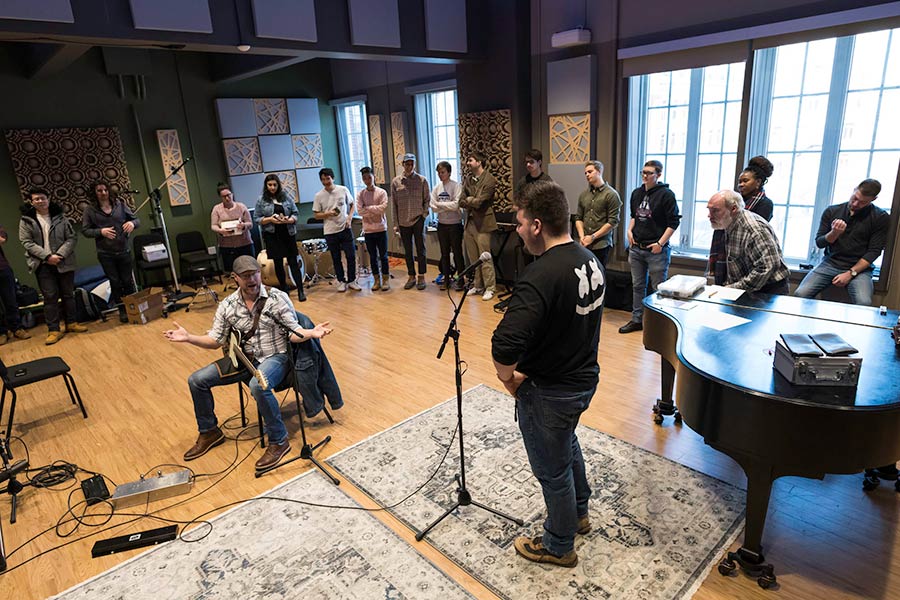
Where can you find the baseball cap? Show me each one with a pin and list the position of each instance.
(409, 156)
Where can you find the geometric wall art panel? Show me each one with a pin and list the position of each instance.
(570, 138)
(271, 116)
(303, 114)
(288, 184)
(399, 135)
(170, 152)
(307, 150)
(375, 143)
(491, 134)
(242, 156)
(66, 161)
(308, 183)
(236, 117)
(276, 152)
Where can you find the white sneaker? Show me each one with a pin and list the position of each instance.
(488, 295)
(342, 287)
(354, 286)
(474, 291)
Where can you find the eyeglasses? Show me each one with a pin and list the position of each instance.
(648, 173)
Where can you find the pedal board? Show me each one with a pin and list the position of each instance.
(151, 489)
(141, 539)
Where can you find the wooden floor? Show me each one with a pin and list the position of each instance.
(828, 540)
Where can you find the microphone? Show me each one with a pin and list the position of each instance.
(13, 470)
(485, 257)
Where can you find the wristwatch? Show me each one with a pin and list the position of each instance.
(854, 272)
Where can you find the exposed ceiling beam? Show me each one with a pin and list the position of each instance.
(228, 68)
(45, 60)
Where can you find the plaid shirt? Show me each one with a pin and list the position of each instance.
(753, 254)
(409, 199)
(269, 338)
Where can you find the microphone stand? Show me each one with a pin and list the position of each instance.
(155, 196)
(14, 486)
(306, 450)
(463, 497)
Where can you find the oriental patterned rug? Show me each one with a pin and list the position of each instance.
(276, 549)
(658, 526)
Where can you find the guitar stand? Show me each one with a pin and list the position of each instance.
(872, 477)
(14, 486)
(751, 563)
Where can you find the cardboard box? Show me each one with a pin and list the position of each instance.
(143, 306)
(154, 252)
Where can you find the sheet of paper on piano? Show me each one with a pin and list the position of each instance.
(721, 321)
(718, 291)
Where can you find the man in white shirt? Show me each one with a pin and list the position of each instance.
(445, 203)
(334, 205)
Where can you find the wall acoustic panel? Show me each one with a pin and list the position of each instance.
(303, 114)
(569, 85)
(66, 161)
(570, 138)
(491, 134)
(445, 25)
(308, 183)
(288, 184)
(242, 156)
(271, 116)
(377, 147)
(374, 23)
(276, 152)
(248, 188)
(170, 152)
(399, 135)
(307, 150)
(172, 15)
(285, 19)
(55, 11)
(236, 117)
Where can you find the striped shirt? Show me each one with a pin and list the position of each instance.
(269, 338)
(409, 199)
(753, 255)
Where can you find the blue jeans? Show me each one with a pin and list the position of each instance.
(315, 378)
(547, 420)
(274, 368)
(376, 245)
(644, 263)
(860, 287)
(342, 240)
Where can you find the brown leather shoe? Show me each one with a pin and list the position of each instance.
(206, 441)
(532, 548)
(410, 283)
(274, 454)
(584, 525)
(20, 334)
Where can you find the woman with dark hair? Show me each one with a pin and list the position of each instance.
(276, 215)
(750, 185)
(110, 222)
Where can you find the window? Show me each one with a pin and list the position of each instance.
(827, 120)
(689, 120)
(437, 133)
(353, 134)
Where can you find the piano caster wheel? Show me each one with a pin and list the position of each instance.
(658, 419)
(870, 483)
(726, 567)
(678, 419)
(766, 580)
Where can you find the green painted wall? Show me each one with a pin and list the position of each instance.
(180, 96)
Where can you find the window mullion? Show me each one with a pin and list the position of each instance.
(691, 149)
(761, 90)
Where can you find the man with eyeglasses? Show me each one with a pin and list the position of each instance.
(654, 219)
(853, 235)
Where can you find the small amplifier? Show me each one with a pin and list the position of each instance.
(140, 539)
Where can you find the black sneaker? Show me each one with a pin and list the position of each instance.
(533, 550)
(631, 326)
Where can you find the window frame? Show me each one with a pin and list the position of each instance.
(349, 171)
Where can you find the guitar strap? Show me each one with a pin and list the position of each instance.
(257, 313)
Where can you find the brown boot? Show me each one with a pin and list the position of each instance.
(385, 282)
(205, 442)
(533, 550)
(75, 328)
(376, 282)
(410, 283)
(274, 454)
(20, 334)
(584, 525)
(420, 283)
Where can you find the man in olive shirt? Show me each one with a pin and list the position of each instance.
(598, 212)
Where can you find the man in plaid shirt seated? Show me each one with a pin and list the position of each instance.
(750, 258)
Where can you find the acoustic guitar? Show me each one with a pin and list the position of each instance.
(267, 270)
(234, 352)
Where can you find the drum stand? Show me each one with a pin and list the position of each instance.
(315, 277)
(205, 291)
(361, 249)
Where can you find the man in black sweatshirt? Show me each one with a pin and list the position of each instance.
(545, 353)
(654, 219)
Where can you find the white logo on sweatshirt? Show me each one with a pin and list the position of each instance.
(587, 284)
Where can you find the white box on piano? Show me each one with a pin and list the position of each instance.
(154, 252)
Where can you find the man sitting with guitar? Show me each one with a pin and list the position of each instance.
(249, 314)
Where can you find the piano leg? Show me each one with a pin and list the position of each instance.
(749, 556)
(665, 405)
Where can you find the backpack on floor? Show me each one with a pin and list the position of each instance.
(86, 308)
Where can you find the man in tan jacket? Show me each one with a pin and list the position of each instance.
(478, 199)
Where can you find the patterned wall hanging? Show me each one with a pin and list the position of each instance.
(271, 116)
(242, 156)
(66, 161)
(170, 152)
(377, 147)
(307, 150)
(491, 134)
(289, 184)
(399, 135)
(570, 138)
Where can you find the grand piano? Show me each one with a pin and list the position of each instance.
(727, 391)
